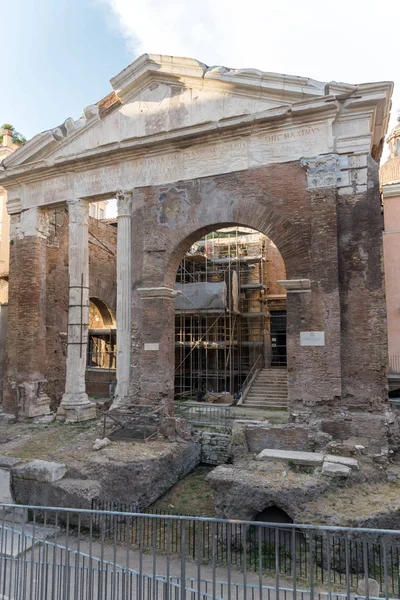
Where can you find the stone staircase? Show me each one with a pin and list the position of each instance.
(268, 390)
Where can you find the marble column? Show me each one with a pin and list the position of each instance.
(75, 405)
(124, 298)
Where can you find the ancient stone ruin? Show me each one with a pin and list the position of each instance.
(187, 150)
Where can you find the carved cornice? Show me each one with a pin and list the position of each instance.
(301, 99)
(391, 190)
(230, 128)
(296, 285)
(156, 293)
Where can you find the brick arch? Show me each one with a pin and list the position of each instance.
(107, 314)
(272, 200)
(105, 290)
(285, 236)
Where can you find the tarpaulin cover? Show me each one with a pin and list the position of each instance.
(201, 296)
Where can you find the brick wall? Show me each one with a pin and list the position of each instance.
(320, 237)
(38, 302)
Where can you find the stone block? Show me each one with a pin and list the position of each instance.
(7, 462)
(99, 444)
(342, 460)
(10, 514)
(335, 470)
(312, 459)
(278, 437)
(6, 496)
(41, 470)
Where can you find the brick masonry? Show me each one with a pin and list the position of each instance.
(335, 241)
(38, 302)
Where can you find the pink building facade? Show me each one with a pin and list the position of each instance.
(390, 182)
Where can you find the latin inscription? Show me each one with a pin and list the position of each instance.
(292, 135)
(196, 161)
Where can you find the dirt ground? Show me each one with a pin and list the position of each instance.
(192, 495)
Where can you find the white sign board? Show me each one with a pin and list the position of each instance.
(152, 346)
(312, 338)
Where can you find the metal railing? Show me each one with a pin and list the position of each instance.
(246, 385)
(394, 363)
(67, 554)
(205, 414)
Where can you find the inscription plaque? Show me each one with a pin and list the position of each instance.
(312, 338)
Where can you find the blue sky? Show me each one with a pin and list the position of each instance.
(59, 55)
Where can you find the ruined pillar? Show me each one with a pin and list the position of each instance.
(153, 351)
(75, 405)
(313, 308)
(24, 386)
(124, 298)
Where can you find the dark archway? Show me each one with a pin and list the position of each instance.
(273, 514)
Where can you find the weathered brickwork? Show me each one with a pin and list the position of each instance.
(362, 298)
(332, 240)
(38, 306)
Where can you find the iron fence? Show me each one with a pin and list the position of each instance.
(67, 554)
(276, 549)
(205, 414)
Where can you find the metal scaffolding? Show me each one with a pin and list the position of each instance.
(218, 340)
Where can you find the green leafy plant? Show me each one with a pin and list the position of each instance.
(16, 137)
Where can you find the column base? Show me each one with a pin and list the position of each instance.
(120, 402)
(75, 408)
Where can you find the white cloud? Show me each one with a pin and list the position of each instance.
(349, 40)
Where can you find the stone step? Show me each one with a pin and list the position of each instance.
(267, 406)
(269, 388)
(255, 394)
(255, 400)
(270, 380)
(264, 401)
(312, 459)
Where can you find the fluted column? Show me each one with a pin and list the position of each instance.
(75, 405)
(124, 298)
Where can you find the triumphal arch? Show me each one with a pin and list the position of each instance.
(187, 149)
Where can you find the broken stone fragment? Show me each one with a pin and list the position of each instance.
(40, 470)
(335, 469)
(342, 460)
(8, 462)
(311, 459)
(99, 444)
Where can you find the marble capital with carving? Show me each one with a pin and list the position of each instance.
(322, 171)
(124, 204)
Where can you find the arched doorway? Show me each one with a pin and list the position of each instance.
(230, 315)
(101, 356)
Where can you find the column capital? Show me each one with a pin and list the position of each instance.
(322, 171)
(78, 210)
(124, 203)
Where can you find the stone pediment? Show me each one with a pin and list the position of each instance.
(160, 98)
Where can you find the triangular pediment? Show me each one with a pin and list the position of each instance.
(162, 96)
